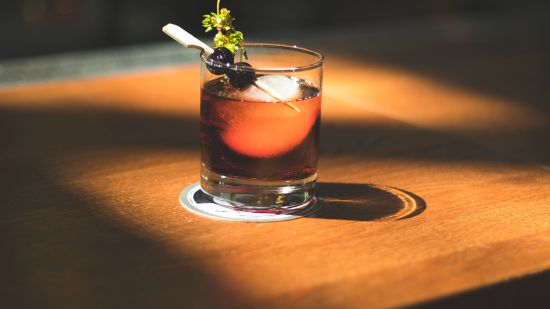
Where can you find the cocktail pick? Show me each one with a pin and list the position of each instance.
(188, 40)
(185, 38)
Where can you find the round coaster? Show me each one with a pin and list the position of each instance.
(196, 201)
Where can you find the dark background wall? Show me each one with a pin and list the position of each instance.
(34, 27)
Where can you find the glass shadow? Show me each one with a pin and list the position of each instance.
(366, 202)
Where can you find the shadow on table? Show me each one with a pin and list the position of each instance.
(57, 248)
(367, 202)
(526, 292)
(73, 128)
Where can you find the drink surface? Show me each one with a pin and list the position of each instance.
(242, 135)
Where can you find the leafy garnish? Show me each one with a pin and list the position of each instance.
(227, 35)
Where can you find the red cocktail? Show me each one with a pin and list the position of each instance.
(259, 143)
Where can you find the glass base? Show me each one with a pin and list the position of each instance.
(254, 195)
(196, 201)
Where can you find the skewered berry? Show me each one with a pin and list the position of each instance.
(219, 58)
(241, 78)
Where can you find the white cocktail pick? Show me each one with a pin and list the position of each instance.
(185, 38)
(188, 40)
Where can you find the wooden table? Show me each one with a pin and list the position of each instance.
(91, 170)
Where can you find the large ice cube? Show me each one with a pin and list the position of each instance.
(272, 88)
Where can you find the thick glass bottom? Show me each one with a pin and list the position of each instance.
(258, 195)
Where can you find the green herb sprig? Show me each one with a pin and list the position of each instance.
(227, 35)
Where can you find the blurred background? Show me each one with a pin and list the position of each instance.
(37, 27)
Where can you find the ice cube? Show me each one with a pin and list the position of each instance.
(272, 88)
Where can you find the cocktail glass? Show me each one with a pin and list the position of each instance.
(260, 144)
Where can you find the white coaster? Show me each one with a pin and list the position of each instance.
(196, 201)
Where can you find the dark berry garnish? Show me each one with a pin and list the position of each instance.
(221, 56)
(241, 78)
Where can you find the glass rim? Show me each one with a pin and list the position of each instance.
(314, 65)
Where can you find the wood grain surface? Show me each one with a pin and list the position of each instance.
(91, 171)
